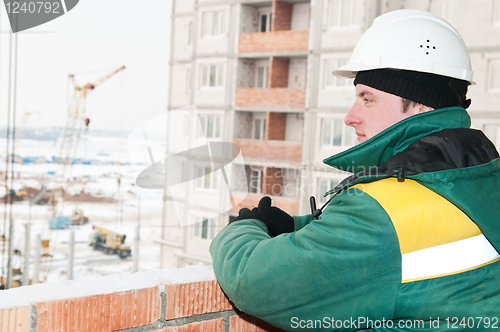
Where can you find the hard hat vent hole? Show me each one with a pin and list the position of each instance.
(428, 47)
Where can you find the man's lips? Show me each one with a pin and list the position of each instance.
(361, 137)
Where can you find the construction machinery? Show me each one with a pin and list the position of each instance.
(63, 222)
(109, 242)
(78, 218)
(76, 123)
(12, 194)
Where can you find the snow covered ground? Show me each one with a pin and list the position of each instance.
(95, 189)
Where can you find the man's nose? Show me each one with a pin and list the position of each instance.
(352, 117)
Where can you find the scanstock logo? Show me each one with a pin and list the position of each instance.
(26, 14)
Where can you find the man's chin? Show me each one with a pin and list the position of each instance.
(362, 138)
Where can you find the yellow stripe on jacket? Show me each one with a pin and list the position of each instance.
(435, 237)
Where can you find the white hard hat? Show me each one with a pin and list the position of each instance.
(410, 40)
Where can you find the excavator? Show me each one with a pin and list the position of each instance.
(109, 242)
(12, 194)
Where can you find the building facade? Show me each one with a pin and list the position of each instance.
(259, 75)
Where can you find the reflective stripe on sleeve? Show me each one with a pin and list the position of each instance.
(446, 259)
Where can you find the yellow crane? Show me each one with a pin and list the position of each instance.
(67, 151)
(74, 122)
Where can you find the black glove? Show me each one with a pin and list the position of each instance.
(276, 220)
(246, 214)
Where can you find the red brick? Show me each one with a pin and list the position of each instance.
(183, 300)
(276, 126)
(100, 313)
(15, 319)
(270, 151)
(278, 97)
(214, 325)
(282, 16)
(273, 181)
(247, 323)
(278, 72)
(289, 40)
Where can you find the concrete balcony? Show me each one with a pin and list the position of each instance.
(270, 151)
(251, 200)
(271, 97)
(286, 40)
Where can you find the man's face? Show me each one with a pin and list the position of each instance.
(375, 110)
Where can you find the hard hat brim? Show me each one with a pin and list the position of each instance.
(350, 70)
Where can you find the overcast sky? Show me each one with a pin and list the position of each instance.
(93, 39)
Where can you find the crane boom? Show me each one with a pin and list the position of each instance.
(91, 86)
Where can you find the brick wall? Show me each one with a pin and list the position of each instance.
(278, 72)
(282, 16)
(276, 126)
(272, 182)
(279, 97)
(167, 307)
(270, 151)
(288, 40)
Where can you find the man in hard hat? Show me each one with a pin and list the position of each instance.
(411, 240)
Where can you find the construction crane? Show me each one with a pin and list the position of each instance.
(74, 122)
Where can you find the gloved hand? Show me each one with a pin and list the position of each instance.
(276, 220)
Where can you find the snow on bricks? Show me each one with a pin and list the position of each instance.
(182, 300)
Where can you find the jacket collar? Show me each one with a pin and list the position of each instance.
(395, 139)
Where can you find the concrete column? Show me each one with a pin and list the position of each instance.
(38, 255)
(135, 253)
(27, 243)
(71, 252)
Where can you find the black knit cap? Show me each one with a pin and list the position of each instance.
(431, 90)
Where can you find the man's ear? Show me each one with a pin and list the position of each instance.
(423, 108)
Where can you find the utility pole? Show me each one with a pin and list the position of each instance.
(118, 212)
(137, 239)
(27, 242)
(38, 255)
(71, 254)
(10, 254)
(11, 108)
(121, 209)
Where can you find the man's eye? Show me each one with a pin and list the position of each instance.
(366, 100)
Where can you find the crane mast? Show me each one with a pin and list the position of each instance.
(74, 122)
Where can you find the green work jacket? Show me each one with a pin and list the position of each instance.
(408, 243)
